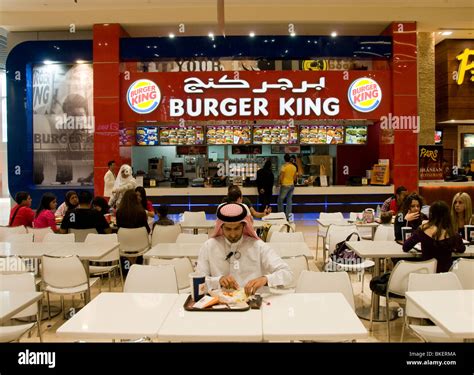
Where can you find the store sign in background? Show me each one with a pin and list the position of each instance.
(431, 162)
(336, 85)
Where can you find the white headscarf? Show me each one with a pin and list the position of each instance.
(120, 181)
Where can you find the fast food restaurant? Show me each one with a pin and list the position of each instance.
(193, 115)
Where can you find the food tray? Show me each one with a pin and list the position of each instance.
(254, 304)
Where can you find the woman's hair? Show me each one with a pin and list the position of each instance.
(21, 196)
(385, 218)
(162, 210)
(441, 219)
(130, 211)
(102, 203)
(69, 194)
(466, 199)
(410, 198)
(46, 199)
(268, 165)
(142, 192)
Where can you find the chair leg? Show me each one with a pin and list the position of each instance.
(372, 299)
(49, 306)
(387, 316)
(62, 307)
(403, 327)
(121, 276)
(317, 244)
(363, 274)
(110, 281)
(38, 320)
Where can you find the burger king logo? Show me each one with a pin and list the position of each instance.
(364, 94)
(143, 96)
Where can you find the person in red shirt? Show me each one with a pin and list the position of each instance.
(22, 214)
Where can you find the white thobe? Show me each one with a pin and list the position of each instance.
(109, 180)
(257, 259)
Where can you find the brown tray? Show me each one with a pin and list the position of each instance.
(254, 304)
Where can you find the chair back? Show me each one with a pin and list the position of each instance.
(54, 237)
(326, 282)
(20, 282)
(63, 272)
(151, 279)
(182, 266)
(275, 216)
(276, 228)
(20, 238)
(105, 239)
(192, 238)
(331, 215)
(464, 270)
(297, 265)
(338, 233)
(287, 237)
(398, 281)
(39, 233)
(433, 281)
(194, 218)
(133, 239)
(81, 234)
(165, 234)
(384, 233)
(7, 231)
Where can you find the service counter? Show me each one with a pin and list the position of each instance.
(439, 190)
(306, 199)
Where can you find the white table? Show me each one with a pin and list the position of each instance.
(210, 224)
(310, 316)
(11, 303)
(119, 316)
(203, 326)
(176, 250)
(451, 310)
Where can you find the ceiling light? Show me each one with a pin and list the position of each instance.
(293, 34)
(446, 33)
(81, 61)
(171, 35)
(251, 34)
(333, 34)
(47, 62)
(211, 35)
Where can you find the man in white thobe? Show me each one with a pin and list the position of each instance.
(236, 257)
(109, 179)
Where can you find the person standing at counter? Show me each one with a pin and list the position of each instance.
(124, 182)
(22, 214)
(287, 179)
(438, 238)
(461, 212)
(109, 179)
(265, 180)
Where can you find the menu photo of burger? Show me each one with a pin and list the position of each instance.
(257, 135)
(356, 135)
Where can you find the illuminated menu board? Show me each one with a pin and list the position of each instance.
(356, 135)
(326, 135)
(228, 135)
(174, 135)
(275, 135)
(147, 135)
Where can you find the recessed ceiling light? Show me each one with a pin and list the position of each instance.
(80, 61)
(171, 35)
(251, 34)
(446, 33)
(333, 34)
(293, 34)
(211, 35)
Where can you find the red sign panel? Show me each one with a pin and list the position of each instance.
(269, 95)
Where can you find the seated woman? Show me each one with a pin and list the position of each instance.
(100, 204)
(144, 202)
(438, 238)
(44, 216)
(409, 216)
(461, 212)
(163, 216)
(71, 201)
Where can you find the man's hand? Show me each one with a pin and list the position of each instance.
(228, 282)
(412, 216)
(267, 210)
(253, 285)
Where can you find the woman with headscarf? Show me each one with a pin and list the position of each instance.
(70, 202)
(235, 256)
(123, 182)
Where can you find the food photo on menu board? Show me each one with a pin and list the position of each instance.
(190, 135)
(147, 135)
(356, 135)
(127, 137)
(311, 134)
(275, 135)
(230, 135)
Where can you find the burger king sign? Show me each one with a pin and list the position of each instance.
(364, 94)
(143, 96)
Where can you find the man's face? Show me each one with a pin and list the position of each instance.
(112, 167)
(233, 231)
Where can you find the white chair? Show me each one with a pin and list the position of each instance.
(287, 237)
(102, 266)
(134, 242)
(464, 270)
(194, 218)
(81, 234)
(7, 231)
(165, 234)
(297, 265)
(322, 231)
(65, 275)
(326, 282)
(54, 237)
(434, 281)
(384, 232)
(275, 216)
(183, 267)
(398, 284)
(20, 238)
(151, 279)
(276, 228)
(39, 233)
(192, 238)
(22, 282)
